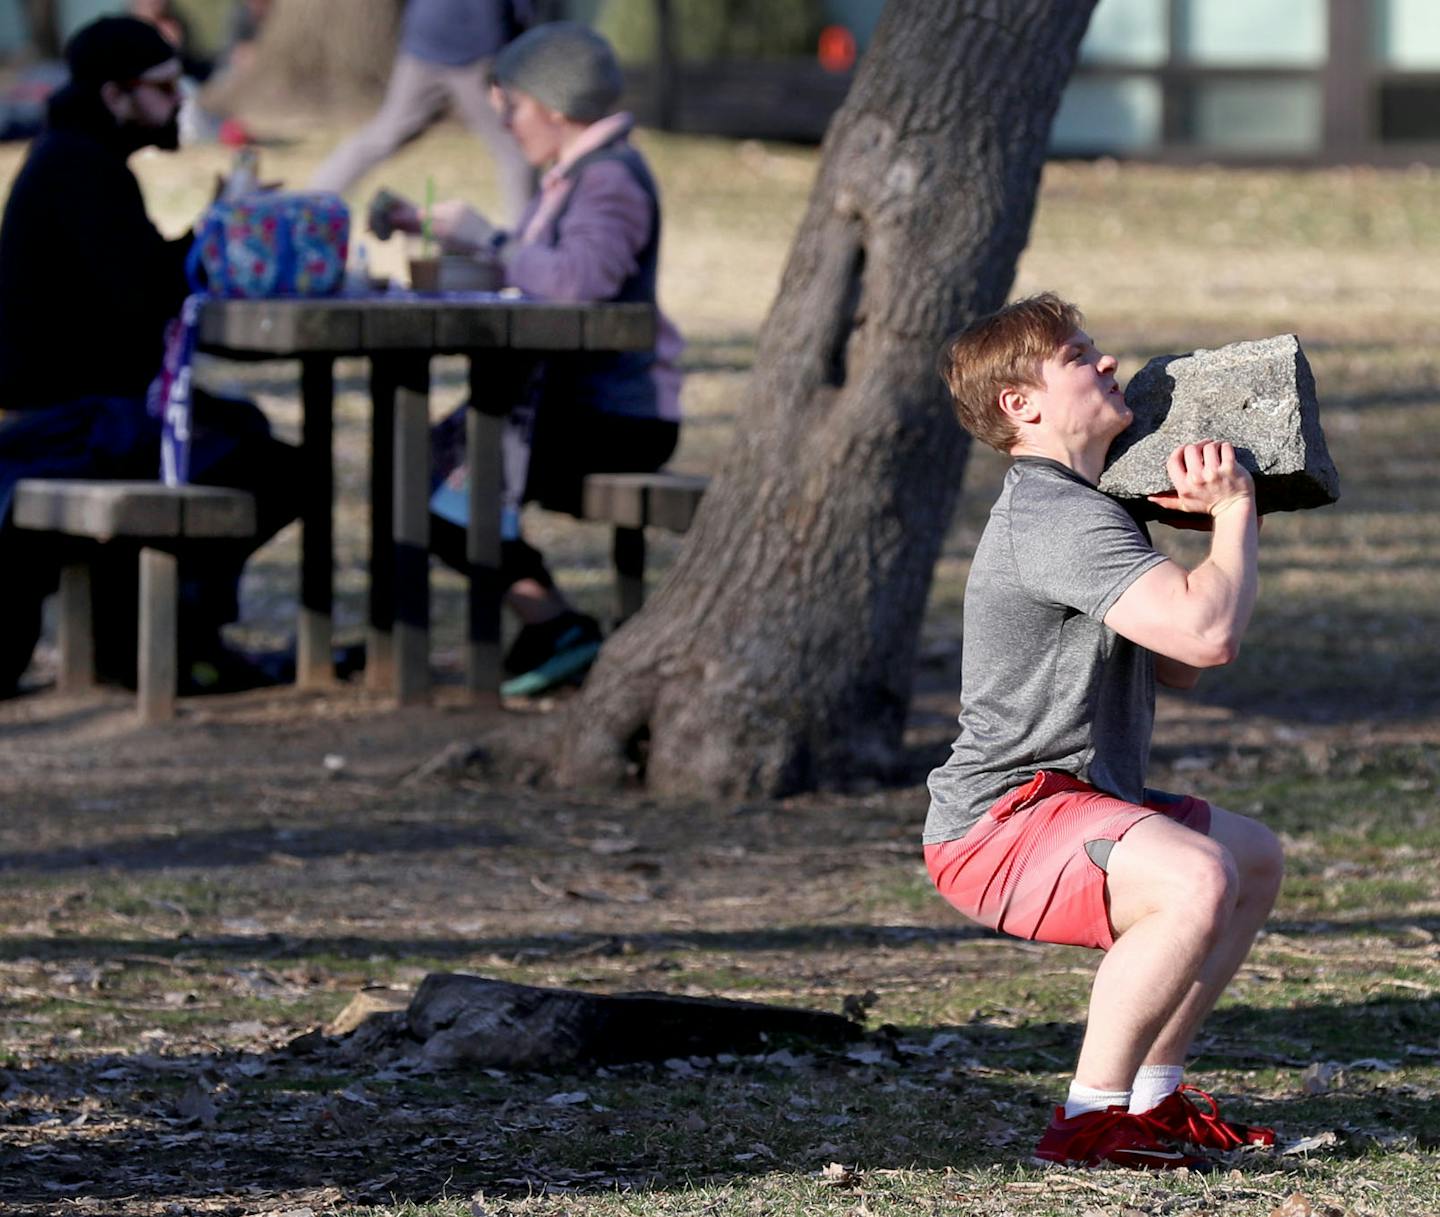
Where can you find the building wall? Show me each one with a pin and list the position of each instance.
(1282, 78)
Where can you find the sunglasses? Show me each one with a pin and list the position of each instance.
(168, 87)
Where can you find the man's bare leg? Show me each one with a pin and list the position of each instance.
(1261, 866)
(1172, 895)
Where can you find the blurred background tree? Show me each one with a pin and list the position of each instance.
(319, 52)
(708, 30)
(42, 20)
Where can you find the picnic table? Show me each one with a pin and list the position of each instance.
(400, 333)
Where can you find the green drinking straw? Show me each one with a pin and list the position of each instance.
(425, 219)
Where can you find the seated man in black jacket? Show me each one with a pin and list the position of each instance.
(87, 285)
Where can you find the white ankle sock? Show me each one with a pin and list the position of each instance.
(1082, 1099)
(1154, 1084)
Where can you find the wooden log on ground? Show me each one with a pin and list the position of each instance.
(472, 1020)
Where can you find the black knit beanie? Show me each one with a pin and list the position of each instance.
(115, 48)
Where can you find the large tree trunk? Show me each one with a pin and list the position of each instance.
(778, 655)
(319, 52)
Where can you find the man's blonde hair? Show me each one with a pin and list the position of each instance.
(1003, 350)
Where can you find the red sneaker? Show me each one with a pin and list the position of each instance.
(1179, 1118)
(1114, 1136)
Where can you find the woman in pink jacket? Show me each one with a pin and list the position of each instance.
(591, 233)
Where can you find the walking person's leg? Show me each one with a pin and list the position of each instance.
(414, 99)
(469, 91)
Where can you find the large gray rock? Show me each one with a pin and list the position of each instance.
(1260, 396)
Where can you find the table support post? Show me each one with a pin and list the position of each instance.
(77, 629)
(482, 549)
(314, 664)
(156, 661)
(412, 529)
(380, 637)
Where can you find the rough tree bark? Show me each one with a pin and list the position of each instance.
(778, 655)
(322, 52)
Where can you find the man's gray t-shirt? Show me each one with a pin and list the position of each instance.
(1046, 685)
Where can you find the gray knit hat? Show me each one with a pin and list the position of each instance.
(563, 65)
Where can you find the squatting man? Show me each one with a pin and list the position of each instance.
(1040, 823)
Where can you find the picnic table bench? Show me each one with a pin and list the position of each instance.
(632, 502)
(165, 521)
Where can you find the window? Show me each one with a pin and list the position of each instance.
(1129, 32)
(1258, 115)
(1407, 34)
(1108, 114)
(1234, 33)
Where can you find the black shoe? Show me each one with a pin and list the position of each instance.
(349, 660)
(551, 653)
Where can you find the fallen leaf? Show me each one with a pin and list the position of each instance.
(196, 1104)
(1297, 1204)
(870, 1056)
(837, 1174)
(1321, 1140)
(306, 1042)
(613, 845)
(857, 1005)
(787, 1059)
(249, 1028)
(568, 1098)
(1321, 1076)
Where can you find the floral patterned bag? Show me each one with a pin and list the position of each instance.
(272, 244)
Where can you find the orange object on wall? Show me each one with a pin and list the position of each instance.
(836, 49)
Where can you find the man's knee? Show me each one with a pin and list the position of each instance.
(1208, 882)
(1257, 850)
(1182, 876)
(1262, 860)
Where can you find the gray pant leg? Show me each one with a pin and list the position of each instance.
(414, 99)
(469, 92)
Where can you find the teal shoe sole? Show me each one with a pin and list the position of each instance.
(554, 671)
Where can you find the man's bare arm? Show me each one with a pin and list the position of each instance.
(1175, 675)
(1198, 617)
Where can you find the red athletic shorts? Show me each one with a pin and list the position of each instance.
(1024, 869)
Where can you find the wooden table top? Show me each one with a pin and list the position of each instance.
(360, 325)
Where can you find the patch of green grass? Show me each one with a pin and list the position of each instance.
(907, 893)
